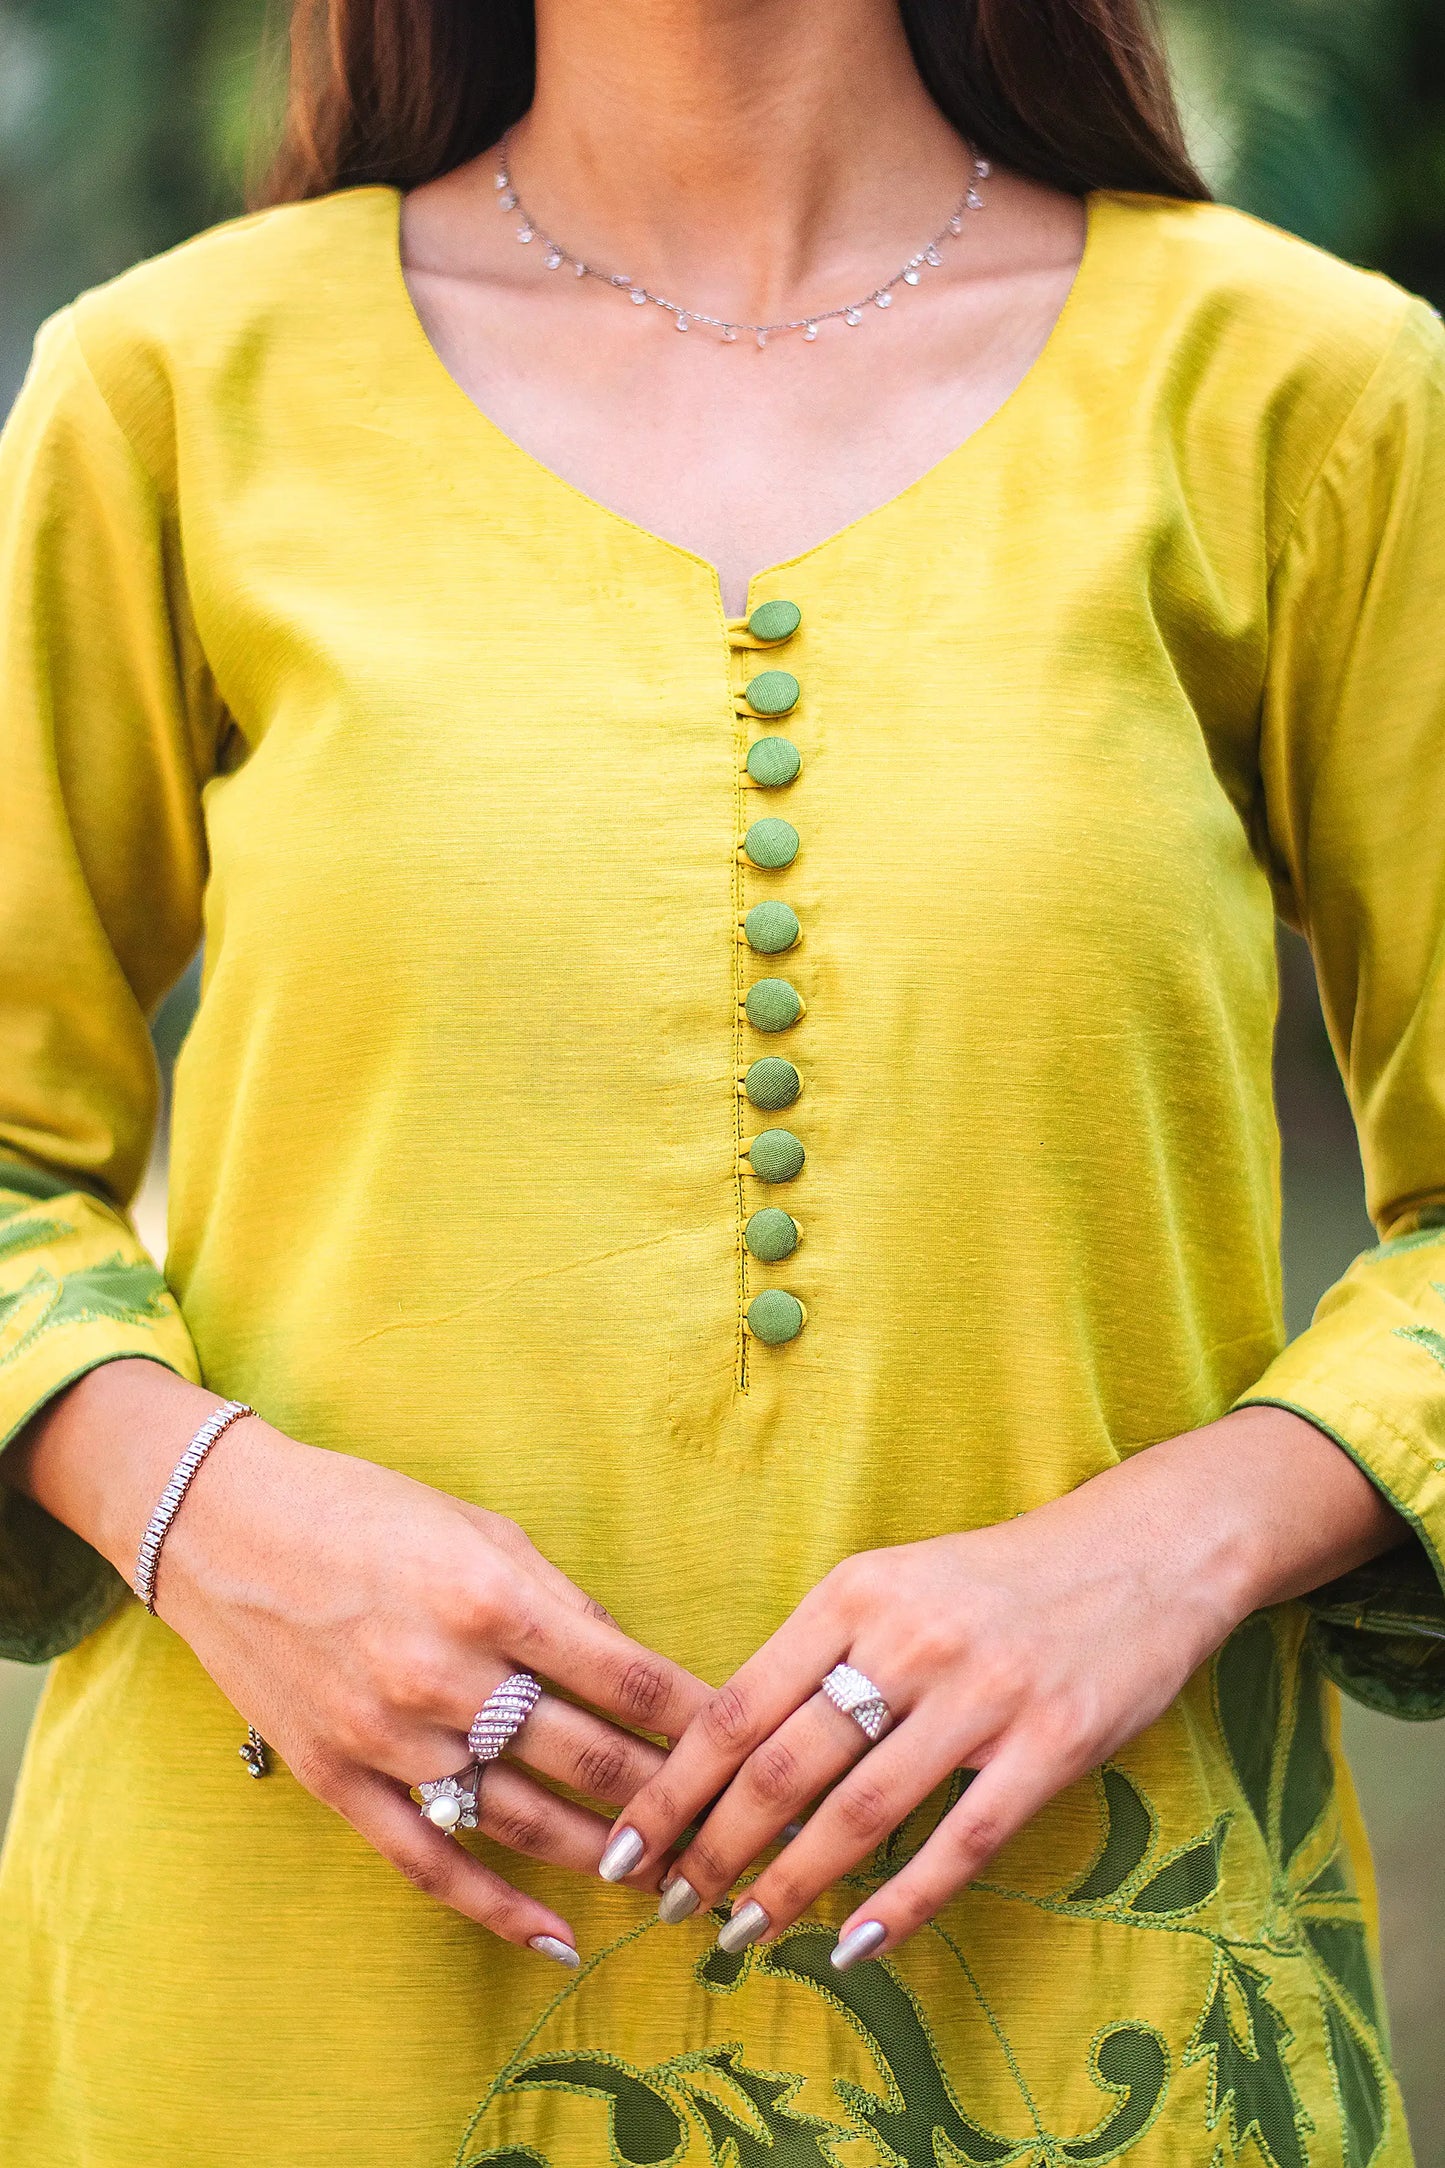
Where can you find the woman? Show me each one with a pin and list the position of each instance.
(382, 602)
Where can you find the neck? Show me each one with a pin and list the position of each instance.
(756, 151)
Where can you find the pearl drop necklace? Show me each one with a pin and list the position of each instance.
(881, 297)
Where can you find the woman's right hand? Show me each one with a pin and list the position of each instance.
(359, 1620)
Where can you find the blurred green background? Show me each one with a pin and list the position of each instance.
(127, 124)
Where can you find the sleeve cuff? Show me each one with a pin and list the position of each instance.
(1379, 1632)
(76, 1290)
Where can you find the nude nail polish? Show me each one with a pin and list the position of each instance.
(551, 1946)
(746, 1924)
(866, 1937)
(621, 1856)
(678, 1901)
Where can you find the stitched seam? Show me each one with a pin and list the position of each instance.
(1397, 339)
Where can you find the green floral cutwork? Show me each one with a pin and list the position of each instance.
(714, 2105)
(19, 1231)
(1249, 2077)
(118, 1291)
(1268, 1684)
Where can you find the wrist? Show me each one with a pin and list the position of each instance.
(1252, 1510)
(99, 1454)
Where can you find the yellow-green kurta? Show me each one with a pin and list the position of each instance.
(445, 761)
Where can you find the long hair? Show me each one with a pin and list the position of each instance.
(1072, 92)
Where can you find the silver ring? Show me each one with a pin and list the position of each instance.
(450, 1803)
(856, 1695)
(502, 1716)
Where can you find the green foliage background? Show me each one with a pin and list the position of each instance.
(127, 124)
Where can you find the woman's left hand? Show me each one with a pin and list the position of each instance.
(1029, 1652)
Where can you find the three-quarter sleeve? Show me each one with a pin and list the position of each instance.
(1353, 776)
(108, 728)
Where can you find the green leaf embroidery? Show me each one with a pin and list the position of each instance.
(1361, 2095)
(1250, 2077)
(922, 2106)
(1424, 1336)
(1186, 1881)
(1344, 1952)
(647, 2130)
(769, 2132)
(1422, 1237)
(1129, 1828)
(23, 1234)
(116, 1291)
(132, 1294)
(17, 1299)
(1308, 1776)
(1248, 1696)
(1131, 2061)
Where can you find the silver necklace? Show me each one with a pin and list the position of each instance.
(555, 256)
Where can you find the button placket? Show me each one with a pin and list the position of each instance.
(768, 927)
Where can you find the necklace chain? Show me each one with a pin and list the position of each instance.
(555, 256)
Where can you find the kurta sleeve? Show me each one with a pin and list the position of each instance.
(1353, 799)
(108, 727)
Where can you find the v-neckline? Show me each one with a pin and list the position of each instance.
(1044, 366)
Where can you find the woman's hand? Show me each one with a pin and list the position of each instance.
(360, 1620)
(1028, 1652)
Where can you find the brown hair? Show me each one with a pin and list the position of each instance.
(1073, 92)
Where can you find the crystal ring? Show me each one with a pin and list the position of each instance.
(450, 1803)
(502, 1716)
(856, 1695)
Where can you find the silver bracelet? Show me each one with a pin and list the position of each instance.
(158, 1526)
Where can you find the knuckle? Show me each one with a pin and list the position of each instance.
(516, 1625)
(853, 1580)
(864, 1810)
(504, 1914)
(978, 1838)
(707, 1869)
(317, 1772)
(925, 1646)
(771, 1775)
(603, 1770)
(520, 1828)
(481, 1606)
(422, 1680)
(644, 1688)
(507, 1534)
(658, 1807)
(360, 1729)
(433, 1873)
(787, 1894)
(727, 1720)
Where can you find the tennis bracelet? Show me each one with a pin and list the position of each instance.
(158, 1526)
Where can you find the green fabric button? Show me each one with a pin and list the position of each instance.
(775, 1316)
(772, 1083)
(773, 762)
(775, 620)
(771, 927)
(771, 1235)
(773, 693)
(771, 843)
(773, 1005)
(776, 1155)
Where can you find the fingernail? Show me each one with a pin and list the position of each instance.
(549, 1946)
(621, 1856)
(791, 1830)
(746, 1924)
(678, 1901)
(862, 1942)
